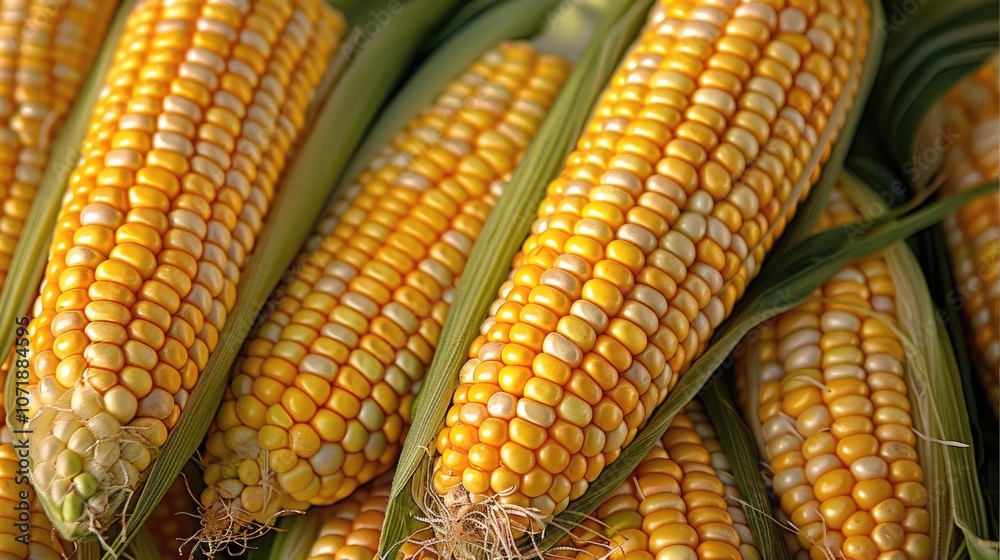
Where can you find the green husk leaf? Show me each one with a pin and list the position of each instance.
(501, 238)
(928, 50)
(758, 304)
(932, 251)
(780, 287)
(26, 267)
(469, 11)
(373, 72)
(745, 463)
(933, 380)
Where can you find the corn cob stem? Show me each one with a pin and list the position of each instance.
(201, 107)
(973, 233)
(691, 166)
(320, 396)
(826, 391)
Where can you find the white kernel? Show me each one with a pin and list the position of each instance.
(185, 107)
(206, 58)
(173, 142)
(217, 27)
(792, 20)
(200, 74)
(341, 334)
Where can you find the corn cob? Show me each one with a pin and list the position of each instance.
(973, 233)
(691, 166)
(202, 104)
(681, 502)
(826, 392)
(172, 523)
(46, 50)
(319, 399)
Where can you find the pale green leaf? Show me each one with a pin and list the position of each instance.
(745, 464)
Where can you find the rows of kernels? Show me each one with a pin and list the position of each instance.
(172, 521)
(646, 240)
(973, 233)
(835, 417)
(320, 396)
(200, 108)
(46, 51)
(745, 402)
(680, 502)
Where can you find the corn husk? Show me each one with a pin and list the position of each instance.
(929, 48)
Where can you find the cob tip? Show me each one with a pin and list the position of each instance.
(93, 504)
(463, 529)
(461, 526)
(227, 527)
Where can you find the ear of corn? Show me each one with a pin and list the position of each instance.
(374, 67)
(689, 170)
(826, 388)
(320, 398)
(46, 51)
(153, 232)
(973, 233)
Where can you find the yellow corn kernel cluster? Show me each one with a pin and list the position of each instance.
(320, 397)
(832, 409)
(202, 104)
(973, 233)
(685, 176)
(46, 51)
(172, 522)
(680, 502)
